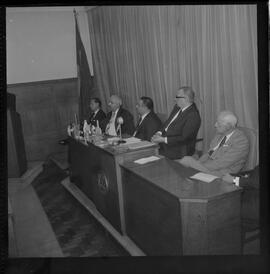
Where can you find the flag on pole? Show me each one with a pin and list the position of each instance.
(85, 81)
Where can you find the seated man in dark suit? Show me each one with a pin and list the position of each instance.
(111, 124)
(249, 181)
(228, 150)
(177, 137)
(149, 122)
(97, 114)
(245, 179)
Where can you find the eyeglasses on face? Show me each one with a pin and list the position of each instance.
(177, 97)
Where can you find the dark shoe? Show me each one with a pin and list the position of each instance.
(63, 142)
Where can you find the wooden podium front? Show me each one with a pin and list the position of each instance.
(97, 173)
(167, 214)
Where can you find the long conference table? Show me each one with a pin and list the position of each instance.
(156, 204)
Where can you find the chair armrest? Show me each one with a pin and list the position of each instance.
(242, 173)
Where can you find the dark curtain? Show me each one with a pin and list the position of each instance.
(85, 80)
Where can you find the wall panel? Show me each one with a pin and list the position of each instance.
(46, 108)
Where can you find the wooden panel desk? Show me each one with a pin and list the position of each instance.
(167, 214)
(97, 173)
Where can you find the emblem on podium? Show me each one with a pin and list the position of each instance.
(103, 183)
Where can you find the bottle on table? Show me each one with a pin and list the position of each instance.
(98, 129)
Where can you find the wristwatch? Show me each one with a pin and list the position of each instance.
(236, 180)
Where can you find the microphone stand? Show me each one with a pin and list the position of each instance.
(120, 131)
(121, 141)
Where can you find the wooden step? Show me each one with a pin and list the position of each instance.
(123, 240)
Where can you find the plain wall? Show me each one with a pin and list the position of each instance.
(41, 43)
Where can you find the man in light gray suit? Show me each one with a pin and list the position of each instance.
(228, 150)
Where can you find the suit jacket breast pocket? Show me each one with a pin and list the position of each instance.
(221, 151)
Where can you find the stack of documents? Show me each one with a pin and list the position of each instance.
(146, 160)
(207, 178)
(140, 144)
(132, 140)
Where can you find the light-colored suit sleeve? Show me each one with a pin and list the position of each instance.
(236, 151)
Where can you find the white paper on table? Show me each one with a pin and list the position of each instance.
(111, 139)
(146, 160)
(132, 140)
(207, 178)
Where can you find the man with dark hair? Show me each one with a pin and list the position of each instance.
(118, 116)
(249, 181)
(148, 122)
(177, 137)
(97, 114)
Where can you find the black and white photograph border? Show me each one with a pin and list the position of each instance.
(53, 214)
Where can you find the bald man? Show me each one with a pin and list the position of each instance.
(110, 124)
(228, 150)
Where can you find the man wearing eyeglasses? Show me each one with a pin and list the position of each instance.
(177, 137)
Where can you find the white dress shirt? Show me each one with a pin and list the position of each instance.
(110, 129)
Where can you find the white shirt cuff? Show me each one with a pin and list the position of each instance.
(166, 140)
(236, 180)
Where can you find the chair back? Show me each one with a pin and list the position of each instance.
(252, 158)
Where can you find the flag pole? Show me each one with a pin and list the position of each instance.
(83, 73)
(78, 61)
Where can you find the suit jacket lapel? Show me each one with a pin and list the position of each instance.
(174, 111)
(219, 151)
(97, 113)
(143, 121)
(181, 115)
(91, 116)
(215, 141)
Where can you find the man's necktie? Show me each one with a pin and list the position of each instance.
(92, 116)
(222, 141)
(137, 126)
(138, 122)
(220, 145)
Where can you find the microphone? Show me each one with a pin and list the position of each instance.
(120, 121)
